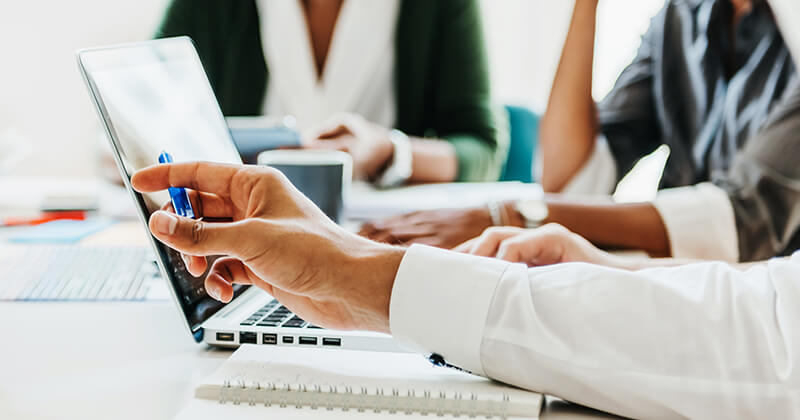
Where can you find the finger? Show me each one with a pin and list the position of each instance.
(367, 229)
(340, 144)
(333, 132)
(341, 121)
(511, 250)
(541, 246)
(410, 232)
(486, 245)
(199, 238)
(224, 273)
(208, 205)
(208, 177)
(384, 237)
(466, 246)
(195, 265)
(218, 288)
(396, 221)
(205, 205)
(332, 128)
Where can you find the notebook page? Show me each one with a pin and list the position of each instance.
(395, 381)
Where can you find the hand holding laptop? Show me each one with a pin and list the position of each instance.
(276, 240)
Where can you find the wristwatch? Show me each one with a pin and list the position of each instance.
(399, 169)
(533, 212)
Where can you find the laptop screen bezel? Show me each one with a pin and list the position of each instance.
(187, 50)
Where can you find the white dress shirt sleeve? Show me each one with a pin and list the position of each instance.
(697, 341)
(700, 222)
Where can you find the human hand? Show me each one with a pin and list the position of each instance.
(367, 143)
(275, 239)
(549, 244)
(443, 228)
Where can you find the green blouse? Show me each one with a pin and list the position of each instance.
(441, 74)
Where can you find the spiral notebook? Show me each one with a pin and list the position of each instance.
(288, 383)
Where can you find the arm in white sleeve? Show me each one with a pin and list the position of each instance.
(696, 341)
(700, 222)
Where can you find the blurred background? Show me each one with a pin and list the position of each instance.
(48, 126)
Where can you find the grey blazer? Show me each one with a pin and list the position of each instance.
(730, 112)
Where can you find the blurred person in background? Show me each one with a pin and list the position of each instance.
(714, 80)
(402, 85)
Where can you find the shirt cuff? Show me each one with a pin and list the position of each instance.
(440, 303)
(598, 175)
(700, 222)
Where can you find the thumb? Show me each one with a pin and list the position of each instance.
(196, 237)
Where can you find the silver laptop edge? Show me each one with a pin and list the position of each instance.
(223, 327)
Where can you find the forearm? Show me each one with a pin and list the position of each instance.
(433, 161)
(699, 341)
(607, 225)
(568, 127)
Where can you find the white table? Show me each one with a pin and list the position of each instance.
(129, 361)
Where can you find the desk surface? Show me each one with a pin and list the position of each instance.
(135, 360)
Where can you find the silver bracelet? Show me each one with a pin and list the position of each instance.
(399, 169)
(495, 213)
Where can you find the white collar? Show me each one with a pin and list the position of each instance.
(787, 13)
(363, 34)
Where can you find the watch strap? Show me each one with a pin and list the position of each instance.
(399, 169)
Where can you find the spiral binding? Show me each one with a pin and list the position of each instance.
(333, 397)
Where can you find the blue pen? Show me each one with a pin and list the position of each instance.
(180, 199)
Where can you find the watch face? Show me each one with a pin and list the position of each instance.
(533, 211)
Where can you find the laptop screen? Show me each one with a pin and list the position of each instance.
(152, 97)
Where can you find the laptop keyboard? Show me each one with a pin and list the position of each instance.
(70, 273)
(273, 314)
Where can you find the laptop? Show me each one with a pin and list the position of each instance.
(153, 96)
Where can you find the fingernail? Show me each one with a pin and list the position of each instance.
(185, 260)
(213, 291)
(166, 223)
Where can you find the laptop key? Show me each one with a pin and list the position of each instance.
(295, 322)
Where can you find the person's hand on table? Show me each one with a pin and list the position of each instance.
(276, 239)
(549, 244)
(443, 228)
(366, 142)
